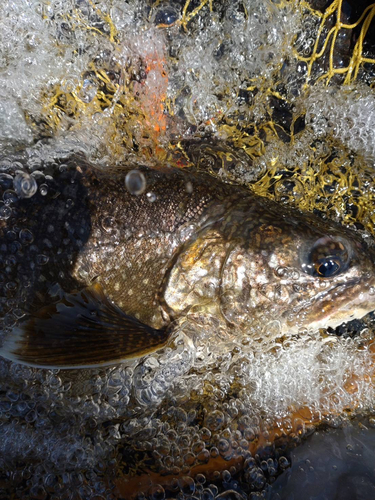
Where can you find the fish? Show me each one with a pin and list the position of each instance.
(99, 266)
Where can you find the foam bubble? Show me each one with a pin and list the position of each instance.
(24, 185)
(345, 112)
(209, 394)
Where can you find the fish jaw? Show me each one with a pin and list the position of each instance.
(346, 301)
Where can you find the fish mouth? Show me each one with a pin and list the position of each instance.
(337, 305)
(324, 293)
(342, 286)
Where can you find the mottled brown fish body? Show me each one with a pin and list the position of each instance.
(134, 239)
(93, 274)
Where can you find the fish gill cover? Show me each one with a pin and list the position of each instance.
(275, 95)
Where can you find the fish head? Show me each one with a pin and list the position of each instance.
(295, 271)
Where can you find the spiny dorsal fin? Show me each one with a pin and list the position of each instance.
(83, 329)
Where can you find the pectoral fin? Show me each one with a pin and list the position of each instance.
(83, 329)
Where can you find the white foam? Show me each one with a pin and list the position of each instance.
(47, 414)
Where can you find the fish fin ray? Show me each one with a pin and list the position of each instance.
(83, 329)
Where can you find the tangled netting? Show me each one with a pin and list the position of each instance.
(275, 95)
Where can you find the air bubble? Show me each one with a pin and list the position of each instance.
(289, 190)
(203, 456)
(198, 447)
(18, 313)
(187, 485)
(26, 237)
(31, 416)
(43, 188)
(11, 235)
(6, 181)
(11, 286)
(284, 463)
(10, 197)
(207, 494)
(88, 90)
(156, 492)
(205, 434)
(223, 446)
(200, 478)
(216, 475)
(12, 396)
(226, 475)
(25, 185)
(135, 182)
(151, 197)
(215, 420)
(108, 223)
(166, 15)
(42, 259)
(9, 321)
(189, 459)
(5, 212)
(37, 492)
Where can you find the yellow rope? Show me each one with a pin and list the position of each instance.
(127, 117)
(331, 38)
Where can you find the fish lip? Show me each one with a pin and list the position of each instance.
(310, 306)
(344, 285)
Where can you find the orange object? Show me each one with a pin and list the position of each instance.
(152, 92)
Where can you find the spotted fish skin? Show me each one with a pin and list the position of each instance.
(134, 240)
(88, 226)
(84, 229)
(92, 274)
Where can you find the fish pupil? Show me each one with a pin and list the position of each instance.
(327, 268)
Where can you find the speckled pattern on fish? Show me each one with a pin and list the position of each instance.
(93, 274)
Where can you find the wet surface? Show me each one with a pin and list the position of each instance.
(246, 90)
(332, 464)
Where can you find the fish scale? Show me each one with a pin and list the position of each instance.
(94, 274)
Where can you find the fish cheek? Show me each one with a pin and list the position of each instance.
(192, 285)
(240, 301)
(257, 287)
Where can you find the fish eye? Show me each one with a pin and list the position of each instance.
(328, 267)
(328, 257)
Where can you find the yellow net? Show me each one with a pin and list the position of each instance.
(263, 144)
(334, 35)
(139, 118)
